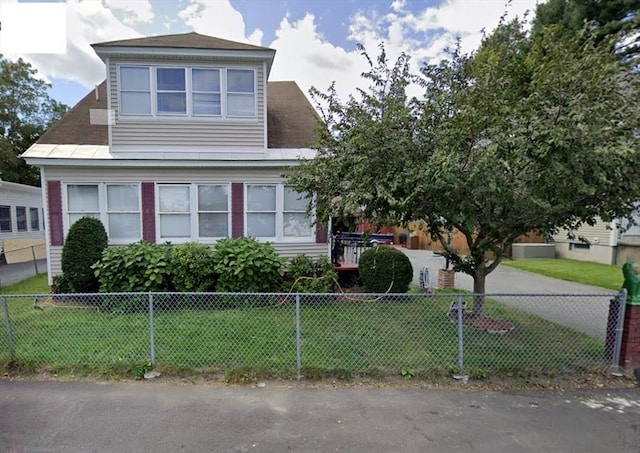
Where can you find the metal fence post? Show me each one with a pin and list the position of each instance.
(460, 333)
(622, 305)
(298, 345)
(152, 340)
(35, 261)
(7, 323)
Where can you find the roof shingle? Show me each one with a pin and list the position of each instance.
(191, 40)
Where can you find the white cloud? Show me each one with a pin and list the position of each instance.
(305, 56)
(218, 18)
(135, 11)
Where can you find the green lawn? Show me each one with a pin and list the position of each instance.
(34, 285)
(595, 274)
(359, 337)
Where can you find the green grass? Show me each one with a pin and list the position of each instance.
(34, 285)
(595, 274)
(341, 338)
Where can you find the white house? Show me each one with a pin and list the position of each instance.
(186, 140)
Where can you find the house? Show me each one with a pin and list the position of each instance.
(185, 140)
(603, 242)
(21, 223)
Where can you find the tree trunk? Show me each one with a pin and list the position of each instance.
(479, 279)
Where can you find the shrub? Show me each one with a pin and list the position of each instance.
(385, 269)
(192, 268)
(83, 247)
(61, 284)
(246, 265)
(306, 276)
(138, 267)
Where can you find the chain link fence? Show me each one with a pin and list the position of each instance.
(316, 335)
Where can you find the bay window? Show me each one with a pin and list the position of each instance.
(193, 211)
(117, 206)
(187, 91)
(277, 212)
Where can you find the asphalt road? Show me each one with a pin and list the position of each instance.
(155, 417)
(511, 287)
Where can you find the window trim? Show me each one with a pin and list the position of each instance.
(193, 213)
(279, 213)
(10, 230)
(102, 213)
(188, 69)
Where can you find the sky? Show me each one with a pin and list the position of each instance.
(315, 40)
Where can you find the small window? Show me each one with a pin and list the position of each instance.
(579, 246)
(135, 90)
(21, 218)
(34, 219)
(5, 219)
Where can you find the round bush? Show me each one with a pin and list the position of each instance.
(83, 247)
(192, 267)
(385, 269)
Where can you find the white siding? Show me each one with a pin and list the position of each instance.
(177, 132)
(312, 250)
(598, 234)
(55, 261)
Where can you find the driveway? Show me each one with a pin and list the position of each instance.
(587, 314)
(134, 417)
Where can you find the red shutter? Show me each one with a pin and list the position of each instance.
(54, 196)
(237, 209)
(148, 212)
(321, 232)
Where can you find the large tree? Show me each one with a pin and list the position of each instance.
(526, 134)
(26, 111)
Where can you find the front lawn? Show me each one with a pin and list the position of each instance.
(594, 274)
(354, 336)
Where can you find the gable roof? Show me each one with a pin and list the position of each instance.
(291, 120)
(191, 40)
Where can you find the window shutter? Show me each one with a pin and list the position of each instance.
(54, 195)
(237, 210)
(148, 212)
(321, 232)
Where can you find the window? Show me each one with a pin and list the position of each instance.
(187, 91)
(205, 88)
(135, 90)
(171, 91)
(34, 219)
(21, 218)
(193, 211)
(276, 211)
(240, 93)
(5, 219)
(117, 206)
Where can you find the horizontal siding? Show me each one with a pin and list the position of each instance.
(217, 133)
(55, 261)
(596, 234)
(29, 197)
(165, 175)
(312, 250)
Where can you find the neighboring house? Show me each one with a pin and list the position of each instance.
(602, 243)
(21, 221)
(184, 141)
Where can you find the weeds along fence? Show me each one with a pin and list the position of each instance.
(314, 335)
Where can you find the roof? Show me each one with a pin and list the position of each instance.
(291, 120)
(191, 40)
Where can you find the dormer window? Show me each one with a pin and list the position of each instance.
(187, 91)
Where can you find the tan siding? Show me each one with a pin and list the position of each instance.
(164, 131)
(597, 234)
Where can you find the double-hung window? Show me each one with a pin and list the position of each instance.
(117, 206)
(171, 84)
(193, 211)
(34, 219)
(135, 90)
(241, 97)
(5, 219)
(277, 212)
(21, 218)
(205, 92)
